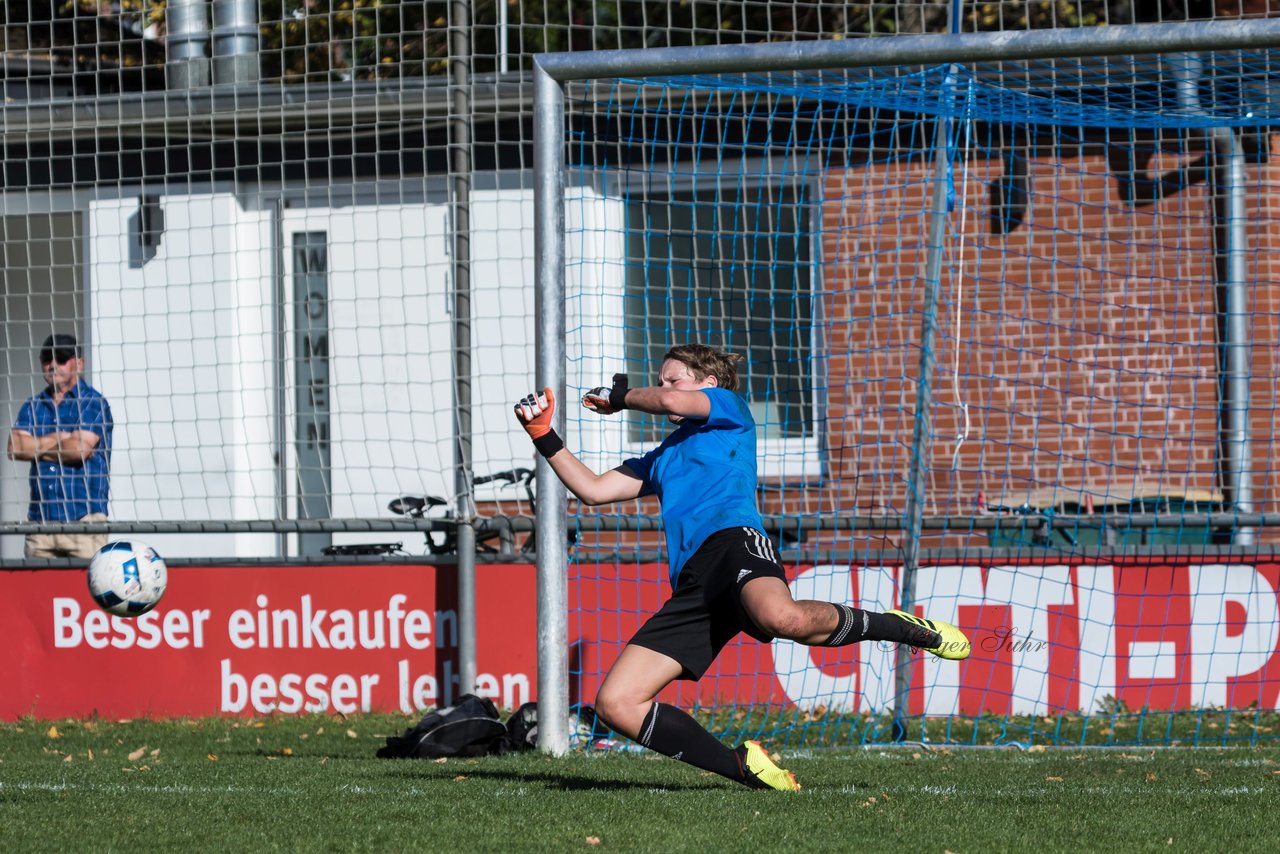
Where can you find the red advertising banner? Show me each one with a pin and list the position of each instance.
(250, 640)
(261, 639)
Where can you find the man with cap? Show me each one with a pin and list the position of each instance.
(65, 431)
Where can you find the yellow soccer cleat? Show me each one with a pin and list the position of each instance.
(760, 772)
(942, 639)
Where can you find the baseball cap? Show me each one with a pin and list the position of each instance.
(60, 347)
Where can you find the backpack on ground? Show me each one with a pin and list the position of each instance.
(471, 727)
(522, 729)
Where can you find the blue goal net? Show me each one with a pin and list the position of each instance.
(1008, 336)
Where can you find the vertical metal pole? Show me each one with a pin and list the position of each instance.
(921, 437)
(279, 349)
(460, 167)
(1230, 216)
(553, 588)
(1235, 453)
(504, 57)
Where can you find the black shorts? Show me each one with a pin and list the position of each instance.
(705, 612)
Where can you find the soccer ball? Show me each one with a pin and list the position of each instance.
(127, 578)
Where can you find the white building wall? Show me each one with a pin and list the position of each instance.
(183, 342)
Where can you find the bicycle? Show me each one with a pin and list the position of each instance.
(445, 541)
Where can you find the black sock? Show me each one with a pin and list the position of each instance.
(673, 733)
(854, 625)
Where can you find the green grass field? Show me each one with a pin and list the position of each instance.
(313, 784)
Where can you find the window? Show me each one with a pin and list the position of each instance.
(728, 266)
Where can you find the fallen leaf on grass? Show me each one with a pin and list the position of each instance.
(1150, 776)
(1036, 748)
(1054, 779)
(90, 755)
(286, 751)
(68, 759)
(441, 760)
(53, 732)
(352, 734)
(212, 757)
(593, 840)
(155, 753)
(459, 778)
(137, 754)
(1203, 774)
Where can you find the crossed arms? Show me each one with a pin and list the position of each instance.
(72, 447)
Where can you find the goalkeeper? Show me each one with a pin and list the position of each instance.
(725, 574)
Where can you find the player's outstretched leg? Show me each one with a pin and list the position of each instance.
(626, 702)
(942, 639)
(768, 602)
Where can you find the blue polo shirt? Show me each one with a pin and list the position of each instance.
(704, 475)
(67, 493)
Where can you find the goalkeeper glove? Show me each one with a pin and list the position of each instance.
(617, 395)
(535, 417)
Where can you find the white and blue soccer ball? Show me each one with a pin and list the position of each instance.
(127, 578)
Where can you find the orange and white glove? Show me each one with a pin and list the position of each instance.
(608, 401)
(534, 414)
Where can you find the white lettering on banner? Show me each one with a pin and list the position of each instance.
(877, 591)
(806, 684)
(1030, 591)
(97, 629)
(1219, 650)
(941, 590)
(293, 692)
(308, 627)
(1096, 660)
(510, 691)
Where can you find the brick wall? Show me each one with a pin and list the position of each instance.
(1081, 344)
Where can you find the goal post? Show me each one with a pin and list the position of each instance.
(811, 115)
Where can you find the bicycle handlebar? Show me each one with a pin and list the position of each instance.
(511, 476)
(417, 505)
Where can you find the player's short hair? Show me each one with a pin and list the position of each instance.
(706, 361)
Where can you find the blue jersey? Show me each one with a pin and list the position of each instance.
(704, 475)
(68, 493)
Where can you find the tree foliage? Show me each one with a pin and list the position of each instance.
(315, 40)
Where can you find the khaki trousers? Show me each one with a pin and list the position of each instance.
(67, 545)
